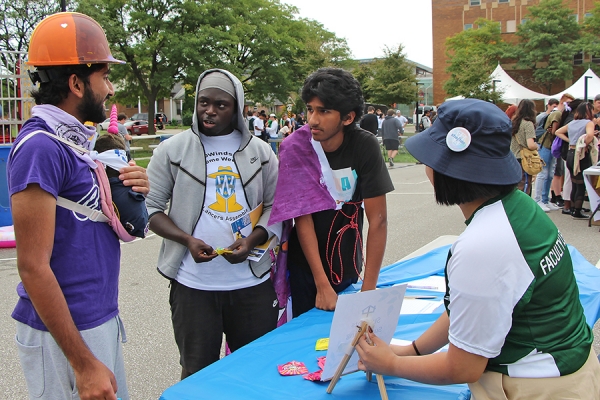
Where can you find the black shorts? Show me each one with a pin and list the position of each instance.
(559, 170)
(391, 144)
(200, 317)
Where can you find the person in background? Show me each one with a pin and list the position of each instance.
(544, 178)
(582, 128)
(390, 133)
(272, 130)
(426, 121)
(121, 118)
(369, 121)
(285, 131)
(523, 136)
(403, 121)
(380, 120)
(514, 325)
(511, 110)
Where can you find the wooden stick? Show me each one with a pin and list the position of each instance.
(381, 385)
(380, 382)
(338, 373)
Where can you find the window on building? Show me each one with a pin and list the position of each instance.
(503, 1)
(468, 26)
(511, 26)
(524, 20)
(178, 111)
(587, 15)
(475, 2)
(129, 106)
(574, 17)
(596, 58)
(578, 58)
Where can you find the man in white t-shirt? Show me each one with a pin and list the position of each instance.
(272, 131)
(218, 214)
(259, 126)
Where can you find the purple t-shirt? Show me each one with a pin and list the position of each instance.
(85, 256)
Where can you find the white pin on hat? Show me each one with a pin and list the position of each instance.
(458, 139)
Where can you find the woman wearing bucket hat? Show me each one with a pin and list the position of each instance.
(513, 312)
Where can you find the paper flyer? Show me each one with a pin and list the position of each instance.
(243, 226)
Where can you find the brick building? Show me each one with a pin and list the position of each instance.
(452, 16)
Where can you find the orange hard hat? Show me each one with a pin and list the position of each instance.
(69, 38)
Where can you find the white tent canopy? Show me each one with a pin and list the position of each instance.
(513, 92)
(578, 88)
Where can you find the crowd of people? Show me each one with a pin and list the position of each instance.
(222, 202)
(565, 135)
(271, 127)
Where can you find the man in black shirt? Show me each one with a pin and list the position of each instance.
(369, 121)
(325, 247)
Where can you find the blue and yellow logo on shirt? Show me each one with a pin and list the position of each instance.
(225, 184)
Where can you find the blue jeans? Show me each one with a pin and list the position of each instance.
(544, 178)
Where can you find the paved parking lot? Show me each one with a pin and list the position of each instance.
(151, 356)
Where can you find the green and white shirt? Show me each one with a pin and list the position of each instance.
(511, 292)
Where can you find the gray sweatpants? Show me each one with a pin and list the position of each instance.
(47, 371)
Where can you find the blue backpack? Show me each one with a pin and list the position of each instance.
(539, 129)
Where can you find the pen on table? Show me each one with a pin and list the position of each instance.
(420, 297)
(423, 287)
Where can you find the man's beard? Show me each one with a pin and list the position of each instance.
(90, 109)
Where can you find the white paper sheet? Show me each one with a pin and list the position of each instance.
(380, 307)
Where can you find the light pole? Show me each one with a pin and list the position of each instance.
(585, 87)
(494, 87)
(417, 108)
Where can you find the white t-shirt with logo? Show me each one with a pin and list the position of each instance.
(224, 203)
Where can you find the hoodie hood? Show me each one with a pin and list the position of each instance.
(239, 98)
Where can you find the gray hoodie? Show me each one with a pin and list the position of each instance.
(177, 175)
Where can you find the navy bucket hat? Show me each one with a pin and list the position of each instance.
(470, 141)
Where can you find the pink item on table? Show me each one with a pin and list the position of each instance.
(314, 376)
(292, 368)
(321, 362)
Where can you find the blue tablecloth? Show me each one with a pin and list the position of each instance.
(251, 372)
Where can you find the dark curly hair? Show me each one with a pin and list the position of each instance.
(338, 90)
(57, 90)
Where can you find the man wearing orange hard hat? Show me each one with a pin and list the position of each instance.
(69, 332)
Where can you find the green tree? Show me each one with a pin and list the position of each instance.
(262, 43)
(548, 41)
(320, 48)
(149, 36)
(388, 80)
(591, 35)
(472, 56)
(19, 18)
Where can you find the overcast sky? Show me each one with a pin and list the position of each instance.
(368, 29)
